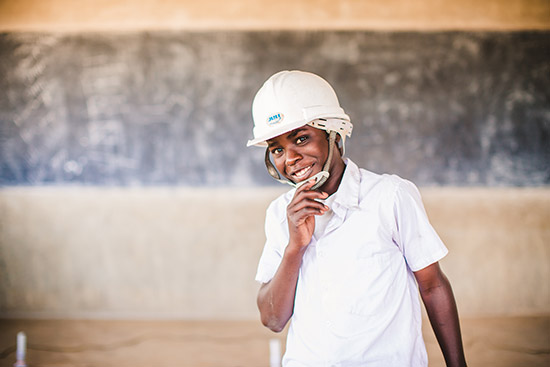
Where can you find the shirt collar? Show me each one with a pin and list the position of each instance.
(347, 195)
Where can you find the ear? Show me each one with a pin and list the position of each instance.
(338, 142)
(339, 145)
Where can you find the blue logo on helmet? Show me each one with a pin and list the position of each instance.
(275, 119)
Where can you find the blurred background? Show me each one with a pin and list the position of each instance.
(131, 212)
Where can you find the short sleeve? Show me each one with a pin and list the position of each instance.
(415, 236)
(272, 253)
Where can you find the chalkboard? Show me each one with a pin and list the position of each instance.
(173, 108)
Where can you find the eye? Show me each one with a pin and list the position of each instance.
(302, 139)
(276, 151)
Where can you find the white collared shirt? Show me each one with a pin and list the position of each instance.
(357, 300)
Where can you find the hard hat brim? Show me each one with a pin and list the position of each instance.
(261, 141)
(274, 132)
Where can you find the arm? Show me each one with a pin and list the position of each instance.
(276, 298)
(438, 298)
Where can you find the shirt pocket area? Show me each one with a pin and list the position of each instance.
(368, 298)
(371, 280)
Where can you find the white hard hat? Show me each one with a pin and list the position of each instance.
(291, 99)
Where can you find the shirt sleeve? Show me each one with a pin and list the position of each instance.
(272, 253)
(415, 236)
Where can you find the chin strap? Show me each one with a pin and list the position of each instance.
(320, 177)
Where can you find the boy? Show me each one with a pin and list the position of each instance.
(347, 250)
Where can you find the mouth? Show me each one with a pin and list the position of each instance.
(302, 173)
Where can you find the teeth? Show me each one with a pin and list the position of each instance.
(301, 172)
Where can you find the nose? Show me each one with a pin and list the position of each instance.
(292, 156)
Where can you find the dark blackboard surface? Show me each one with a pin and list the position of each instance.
(173, 108)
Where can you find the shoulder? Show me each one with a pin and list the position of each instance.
(385, 188)
(377, 183)
(389, 181)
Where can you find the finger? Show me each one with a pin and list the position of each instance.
(307, 186)
(313, 194)
(301, 216)
(307, 204)
(305, 199)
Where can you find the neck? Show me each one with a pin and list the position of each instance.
(337, 169)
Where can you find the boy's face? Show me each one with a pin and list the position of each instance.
(299, 154)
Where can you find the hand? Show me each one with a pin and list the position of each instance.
(300, 214)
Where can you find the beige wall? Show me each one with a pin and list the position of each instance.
(192, 253)
(104, 15)
(161, 252)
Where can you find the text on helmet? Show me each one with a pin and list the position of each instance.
(275, 119)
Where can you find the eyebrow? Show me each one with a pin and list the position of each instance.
(290, 136)
(295, 132)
